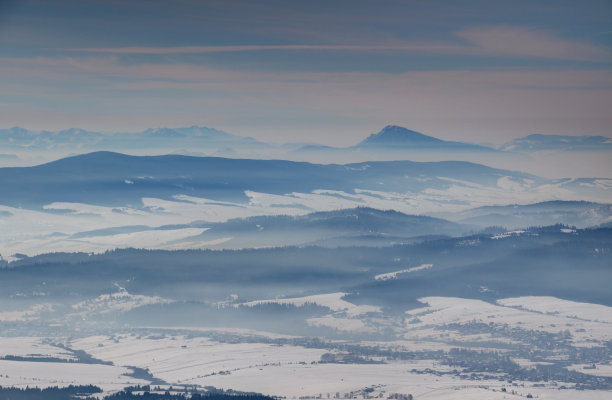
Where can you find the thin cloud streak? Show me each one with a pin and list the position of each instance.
(501, 41)
(226, 49)
(524, 41)
(108, 68)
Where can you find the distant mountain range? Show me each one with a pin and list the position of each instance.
(362, 226)
(107, 178)
(194, 137)
(365, 226)
(581, 214)
(395, 140)
(117, 180)
(549, 261)
(558, 142)
(370, 227)
(102, 200)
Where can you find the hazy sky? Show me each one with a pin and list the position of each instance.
(325, 71)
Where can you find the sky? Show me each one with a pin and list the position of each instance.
(309, 71)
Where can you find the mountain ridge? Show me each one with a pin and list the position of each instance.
(400, 138)
(101, 176)
(393, 140)
(542, 142)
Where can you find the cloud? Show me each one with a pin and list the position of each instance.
(298, 47)
(505, 41)
(527, 42)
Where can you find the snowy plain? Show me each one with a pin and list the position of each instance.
(290, 370)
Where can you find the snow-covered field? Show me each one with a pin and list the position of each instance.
(333, 301)
(290, 371)
(295, 381)
(563, 308)
(46, 374)
(274, 367)
(591, 328)
(32, 347)
(593, 369)
(589, 324)
(345, 316)
(178, 359)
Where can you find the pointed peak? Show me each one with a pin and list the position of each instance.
(394, 134)
(396, 128)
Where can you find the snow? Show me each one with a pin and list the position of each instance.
(25, 315)
(182, 360)
(120, 301)
(599, 370)
(53, 228)
(333, 301)
(32, 347)
(509, 184)
(46, 374)
(275, 370)
(554, 306)
(525, 363)
(234, 331)
(310, 380)
(297, 380)
(592, 328)
(346, 316)
(508, 234)
(281, 370)
(393, 275)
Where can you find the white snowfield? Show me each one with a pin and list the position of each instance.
(46, 374)
(292, 371)
(333, 301)
(591, 328)
(28, 314)
(588, 324)
(508, 234)
(295, 381)
(593, 369)
(34, 232)
(120, 301)
(32, 347)
(393, 275)
(106, 304)
(181, 360)
(565, 308)
(346, 316)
